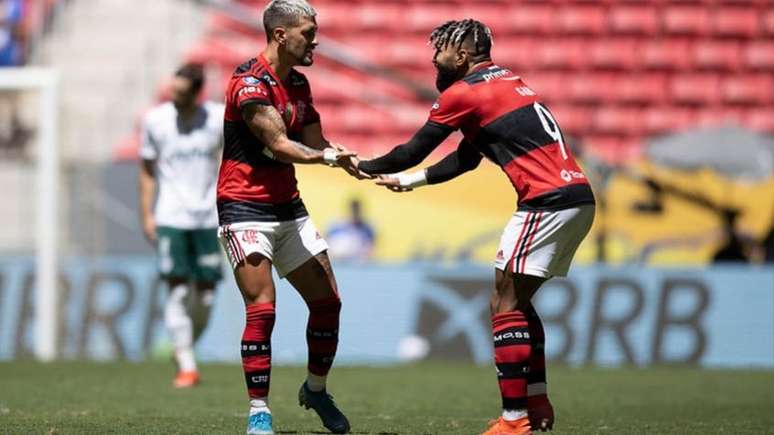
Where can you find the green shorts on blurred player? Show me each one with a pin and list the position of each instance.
(181, 144)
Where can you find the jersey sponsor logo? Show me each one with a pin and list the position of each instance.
(251, 90)
(524, 91)
(250, 80)
(496, 74)
(569, 175)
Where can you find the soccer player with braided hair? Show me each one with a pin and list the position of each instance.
(504, 120)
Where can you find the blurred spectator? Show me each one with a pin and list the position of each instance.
(12, 134)
(353, 239)
(10, 21)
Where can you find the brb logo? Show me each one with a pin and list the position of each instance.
(569, 175)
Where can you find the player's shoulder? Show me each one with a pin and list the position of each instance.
(252, 73)
(213, 107)
(246, 67)
(457, 92)
(159, 113)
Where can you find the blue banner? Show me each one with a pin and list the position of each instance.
(111, 308)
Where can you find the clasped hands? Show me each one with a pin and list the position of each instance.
(348, 161)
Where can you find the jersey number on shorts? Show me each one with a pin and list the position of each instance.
(550, 126)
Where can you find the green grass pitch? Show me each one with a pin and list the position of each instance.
(428, 398)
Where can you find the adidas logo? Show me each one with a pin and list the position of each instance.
(500, 255)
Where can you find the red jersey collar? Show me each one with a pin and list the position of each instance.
(265, 62)
(486, 64)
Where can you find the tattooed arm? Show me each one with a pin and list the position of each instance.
(267, 125)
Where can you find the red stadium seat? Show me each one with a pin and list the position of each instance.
(768, 21)
(423, 17)
(549, 85)
(588, 87)
(531, 18)
(742, 21)
(761, 118)
(581, 19)
(493, 15)
(574, 120)
(723, 55)
(719, 116)
(639, 88)
(618, 120)
(665, 119)
(667, 54)
(760, 55)
(748, 89)
(612, 148)
(377, 16)
(515, 52)
(634, 19)
(334, 18)
(686, 20)
(696, 88)
(560, 53)
(613, 53)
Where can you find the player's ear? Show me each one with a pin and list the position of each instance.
(462, 57)
(280, 35)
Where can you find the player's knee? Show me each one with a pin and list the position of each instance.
(329, 305)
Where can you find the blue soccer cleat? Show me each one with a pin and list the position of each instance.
(259, 423)
(323, 405)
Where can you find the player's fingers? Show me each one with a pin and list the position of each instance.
(345, 153)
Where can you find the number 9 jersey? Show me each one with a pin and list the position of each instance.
(506, 122)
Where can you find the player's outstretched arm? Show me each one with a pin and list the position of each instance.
(266, 123)
(411, 153)
(464, 159)
(312, 136)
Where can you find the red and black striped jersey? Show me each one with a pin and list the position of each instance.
(249, 181)
(507, 123)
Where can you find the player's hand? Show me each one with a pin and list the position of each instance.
(149, 228)
(392, 183)
(348, 161)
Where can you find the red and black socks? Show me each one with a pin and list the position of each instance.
(256, 349)
(322, 338)
(513, 350)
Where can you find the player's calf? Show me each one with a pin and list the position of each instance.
(512, 355)
(256, 363)
(322, 338)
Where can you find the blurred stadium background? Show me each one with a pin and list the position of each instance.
(670, 104)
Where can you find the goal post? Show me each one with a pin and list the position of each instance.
(46, 82)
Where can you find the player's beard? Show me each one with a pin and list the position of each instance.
(445, 77)
(307, 59)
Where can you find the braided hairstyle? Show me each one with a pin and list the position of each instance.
(457, 32)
